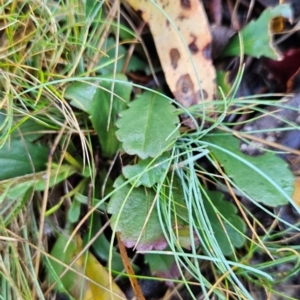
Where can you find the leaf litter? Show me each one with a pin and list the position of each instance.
(139, 134)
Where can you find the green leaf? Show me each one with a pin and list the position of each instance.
(15, 187)
(9, 209)
(131, 208)
(148, 127)
(178, 206)
(257, 36)
(241, 168)
(222, 82)
(19, 157)
(163, 266)
(16, 192)
(101, 246)
(234, 226)
(17, 127)
(97, 100)
(90, 7)
(74, 212)
(150, 171)
(105, 111)
(28, 128)
(69, 281)
(107, 62)
(82, 94)
(173, 201)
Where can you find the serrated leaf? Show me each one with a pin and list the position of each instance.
(257, 36)
(148, 127)
(96, 99)
(152, 171)
(135, 208)
(247, 179)
(234, 226)
(20, 157)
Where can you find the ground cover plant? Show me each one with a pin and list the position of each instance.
(149, 149)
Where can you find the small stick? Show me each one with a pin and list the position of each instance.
(129, 270)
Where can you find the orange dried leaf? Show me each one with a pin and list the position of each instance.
(183, 41)
(105, 287)
(296, 196)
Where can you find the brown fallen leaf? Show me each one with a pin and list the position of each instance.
(183, 41)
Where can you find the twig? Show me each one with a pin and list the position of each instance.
(134, 283)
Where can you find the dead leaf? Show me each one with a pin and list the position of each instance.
(100, 286)
(183, 41)
(96, 272)
(296, 196)
(105, 288)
